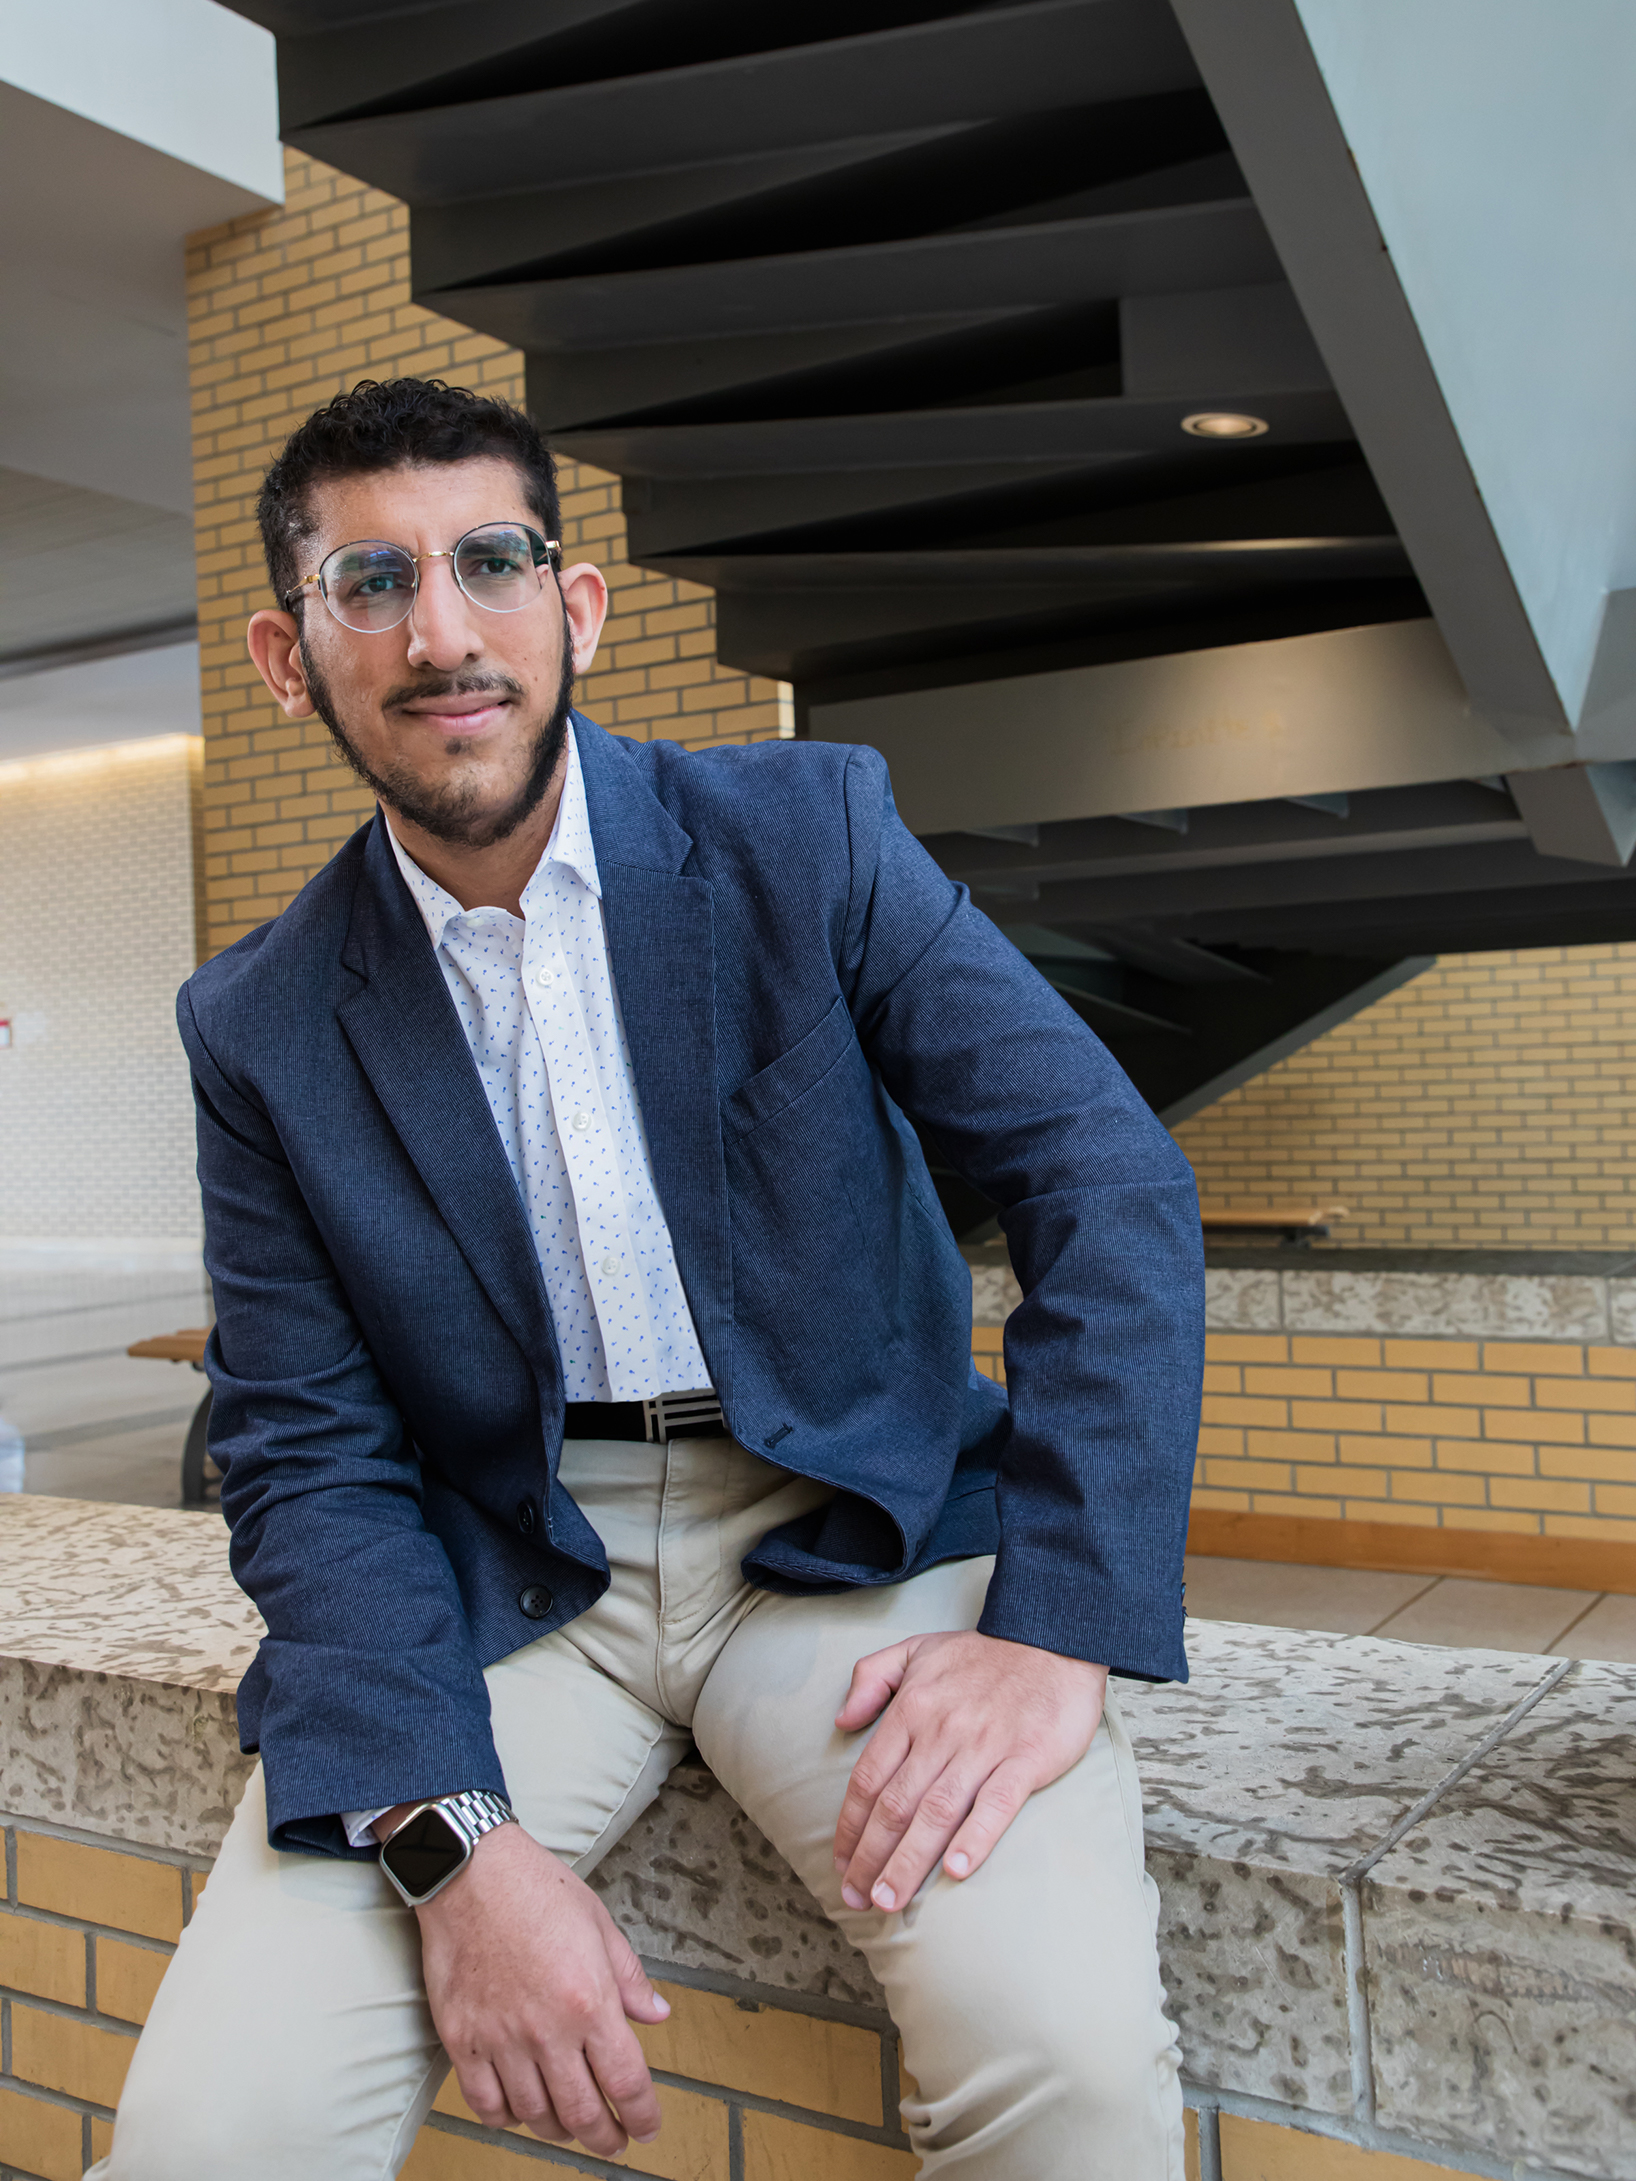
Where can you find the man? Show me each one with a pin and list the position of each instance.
(592, 1374)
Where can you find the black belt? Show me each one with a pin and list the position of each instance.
(669, 1416)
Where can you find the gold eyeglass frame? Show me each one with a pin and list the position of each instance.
(553, 560)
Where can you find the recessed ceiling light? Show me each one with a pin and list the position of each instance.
(1223, 424)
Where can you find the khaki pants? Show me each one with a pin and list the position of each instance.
(291, 2040)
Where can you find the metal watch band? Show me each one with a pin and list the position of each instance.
(474, 1813)
(468, 1815)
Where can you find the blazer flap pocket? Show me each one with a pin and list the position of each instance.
(781, 1083)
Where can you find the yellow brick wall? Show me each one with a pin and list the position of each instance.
(750, 2092)
(287, 308)
(768, 2093)
(1489, 1103)
(1537, 1438)
(1534, 1437)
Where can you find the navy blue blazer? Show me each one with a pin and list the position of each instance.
(796, 975)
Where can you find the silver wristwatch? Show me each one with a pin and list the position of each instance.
(433, 1842)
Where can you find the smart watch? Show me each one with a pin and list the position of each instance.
(433, 1843)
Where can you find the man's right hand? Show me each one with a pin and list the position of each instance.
(531, 1982)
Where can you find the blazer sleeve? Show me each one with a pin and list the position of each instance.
(1104, 1355)
(367, 1689)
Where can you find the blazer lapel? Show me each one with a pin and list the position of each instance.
(401, 1023)
(661, 945)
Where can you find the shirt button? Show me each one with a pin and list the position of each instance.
(545, 977)
(607, 1268)
(535, 1602)
(580, 1120)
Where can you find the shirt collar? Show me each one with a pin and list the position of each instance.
(570, 845)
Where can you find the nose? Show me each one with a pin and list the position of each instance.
(443, 627)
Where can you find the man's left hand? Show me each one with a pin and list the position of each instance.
(973, 1726)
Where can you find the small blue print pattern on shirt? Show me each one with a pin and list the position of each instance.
(536, 1000)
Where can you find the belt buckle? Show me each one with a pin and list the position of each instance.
(672, 1415)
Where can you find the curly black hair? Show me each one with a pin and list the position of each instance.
(387, 425)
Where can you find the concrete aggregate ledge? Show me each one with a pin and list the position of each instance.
(1399, 1882)
(1332, 1296)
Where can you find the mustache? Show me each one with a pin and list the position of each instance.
(469, 684)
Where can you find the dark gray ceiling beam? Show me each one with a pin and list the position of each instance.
(1142, 947)
(902, 283)
(584, 386)
(1445, 814)
(486, 238)
(1012, 507)
(1270, 94)
(336, 64)
(1025, 431)
(962, 68)
(1255, 854)
(1406, 874)
(1072, 569)
(667, 517)
(773, 609)
(1244, 342)
(1589, 914)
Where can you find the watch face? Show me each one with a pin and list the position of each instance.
(424, 1852)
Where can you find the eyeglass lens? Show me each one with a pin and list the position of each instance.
(371, 586)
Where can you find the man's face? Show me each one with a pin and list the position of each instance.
(456, 717)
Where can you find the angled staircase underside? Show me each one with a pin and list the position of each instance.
(890, 317)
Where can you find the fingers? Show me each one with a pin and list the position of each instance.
(915, 1817)
(997, 1802)
(636, 1994)
(482, 2090)
(622, 2079)
(515, 2095)
(581, 2107)
(874, 1680)
(888, 1748)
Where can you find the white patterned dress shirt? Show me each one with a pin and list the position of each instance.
(535, 997)
(536, 1000)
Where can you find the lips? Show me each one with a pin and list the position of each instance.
(459, 715)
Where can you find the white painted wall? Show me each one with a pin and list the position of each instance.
(1496, 142)
(185, 77)
(96, 934)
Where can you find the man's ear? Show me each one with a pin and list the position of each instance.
(585, 601)
(274, 643)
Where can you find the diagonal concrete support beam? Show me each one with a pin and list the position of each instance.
(1261, 72)
(1583, 813)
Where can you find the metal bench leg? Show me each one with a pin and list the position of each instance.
(194, 1455)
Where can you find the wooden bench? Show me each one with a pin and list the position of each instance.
(198, 1471)
(187, 1346)
(1298, 1223)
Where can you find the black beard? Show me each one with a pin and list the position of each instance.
(451, 814)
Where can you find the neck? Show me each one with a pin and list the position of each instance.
(486, 878)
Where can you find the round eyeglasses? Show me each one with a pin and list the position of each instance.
(371, 586)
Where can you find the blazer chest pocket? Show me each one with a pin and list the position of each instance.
(791, 1075)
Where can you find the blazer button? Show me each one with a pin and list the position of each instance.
(525, 1516)
(536, 1601)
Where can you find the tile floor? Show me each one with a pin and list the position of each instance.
(1447, 1609)
(80, 1419)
